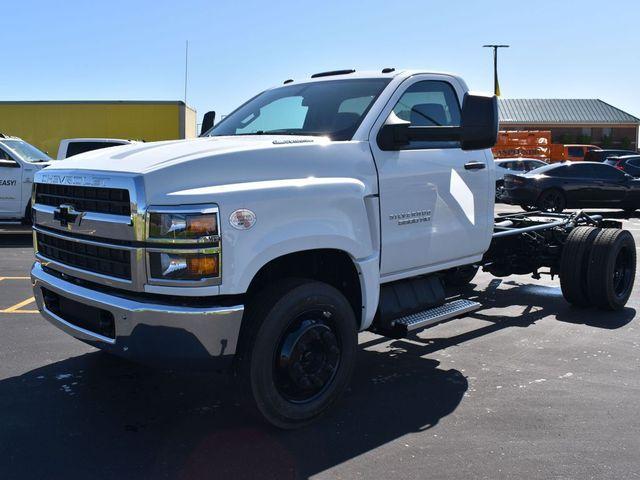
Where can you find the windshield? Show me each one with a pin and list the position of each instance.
(333, 108)
(26, 151)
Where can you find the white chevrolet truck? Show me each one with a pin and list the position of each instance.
(318, 209)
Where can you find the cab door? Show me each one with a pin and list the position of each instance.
(436, 200)
(10, 185)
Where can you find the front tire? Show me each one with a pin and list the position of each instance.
(302, 351)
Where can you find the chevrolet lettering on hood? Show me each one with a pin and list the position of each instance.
(84, 180)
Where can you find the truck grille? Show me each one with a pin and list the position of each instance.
(113, 201)
(113, 262)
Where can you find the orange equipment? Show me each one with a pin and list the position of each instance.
(537, 144)
(524, 143)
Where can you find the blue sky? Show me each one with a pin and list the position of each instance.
(134, 50)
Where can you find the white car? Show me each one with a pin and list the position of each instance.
(19, 161)
(320, 208)
(516, 166)
(74, 146)
(513, 166)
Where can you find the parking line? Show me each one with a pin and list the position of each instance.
(17, 306)
(14, 278)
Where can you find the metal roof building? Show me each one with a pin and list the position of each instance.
(570, 120)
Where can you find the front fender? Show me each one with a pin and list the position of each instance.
(294, 215)
(314, 213)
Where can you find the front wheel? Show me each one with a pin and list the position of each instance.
(302, 351)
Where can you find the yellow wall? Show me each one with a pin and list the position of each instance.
(45, 124)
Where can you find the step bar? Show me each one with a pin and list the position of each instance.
(426, 318)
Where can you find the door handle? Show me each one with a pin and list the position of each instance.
(474, 166)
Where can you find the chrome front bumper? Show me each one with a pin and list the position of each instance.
(154, 333)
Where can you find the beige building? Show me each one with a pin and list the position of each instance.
(587, 121)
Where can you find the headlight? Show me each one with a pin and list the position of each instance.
(182, 265)
(184, 245)
(183, 226)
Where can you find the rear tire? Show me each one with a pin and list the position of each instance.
(301, 351)
(574, 264)
(552, 200)
(612, 269)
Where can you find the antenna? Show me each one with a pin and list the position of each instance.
(496, 85)
(186, 69)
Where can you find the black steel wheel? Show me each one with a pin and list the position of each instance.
(301, 352)
(612, 269)
(574, 264)
(307, 357)
(552, 201)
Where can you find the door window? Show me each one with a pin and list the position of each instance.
(430, 103)
(530, 165)
(4, 155)
(607, 172)
(6, 161)
(575, 151)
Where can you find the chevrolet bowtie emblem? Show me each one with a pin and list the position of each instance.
(66, 215)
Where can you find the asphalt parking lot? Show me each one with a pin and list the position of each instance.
(527, 387)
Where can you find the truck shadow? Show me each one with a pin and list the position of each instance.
(15, 235)
(95, 416)
(538, 302)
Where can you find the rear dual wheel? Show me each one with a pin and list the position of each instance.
(597, 267)
(612, 269)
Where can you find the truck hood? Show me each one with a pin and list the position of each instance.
(192, 171)
(142, 158)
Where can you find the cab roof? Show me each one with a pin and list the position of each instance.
(351, 73)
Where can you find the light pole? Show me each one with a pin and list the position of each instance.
(496, 85)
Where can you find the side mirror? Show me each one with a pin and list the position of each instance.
(394, 134)
(479, 122)
(207, 122)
